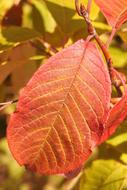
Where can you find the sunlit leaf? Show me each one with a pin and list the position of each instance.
(19, 34)
(123, 158)
(6, 158)
(5, 6)
(119, 139)
(101, 26)
(119, 57)
(104, 175)
(71, 5)
(57, 123)
(123, 35)
(66, 16)
(61, 13)
(41, 17)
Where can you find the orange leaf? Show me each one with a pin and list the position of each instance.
(60, 113)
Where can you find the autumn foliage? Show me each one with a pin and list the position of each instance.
(66, 109)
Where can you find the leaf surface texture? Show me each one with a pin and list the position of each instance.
(115, 11)
(61, 111)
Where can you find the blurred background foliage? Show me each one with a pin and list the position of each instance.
(30, 32)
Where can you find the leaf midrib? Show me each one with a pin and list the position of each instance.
(55, 119)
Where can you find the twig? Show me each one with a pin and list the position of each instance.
(82, 11)
(49, 47)
(46, 48)
(41, 49)
(3, 105)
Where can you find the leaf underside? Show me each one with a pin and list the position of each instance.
(115, 11)
(60, 113)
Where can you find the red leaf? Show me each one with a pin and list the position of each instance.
(13, 16)
(115, 117)
(60, 114)
(115, 11)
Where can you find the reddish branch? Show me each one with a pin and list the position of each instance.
(83, 12)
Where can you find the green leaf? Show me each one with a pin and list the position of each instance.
(119, 57)
(5, 6)
(4, 44)
(119, 139)
(123, 158)
(94, 10)
(102, 26)
(6, 158)
(62, 4)
(41, 17)
(66, 16)
(71, 5)
(56, 20)
(104, 175)
(27, 17)
(19, 34)
(123, 35)
(62, 13)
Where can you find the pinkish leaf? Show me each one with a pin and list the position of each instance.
(115, 117)
(115, 11)
(60, 113)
